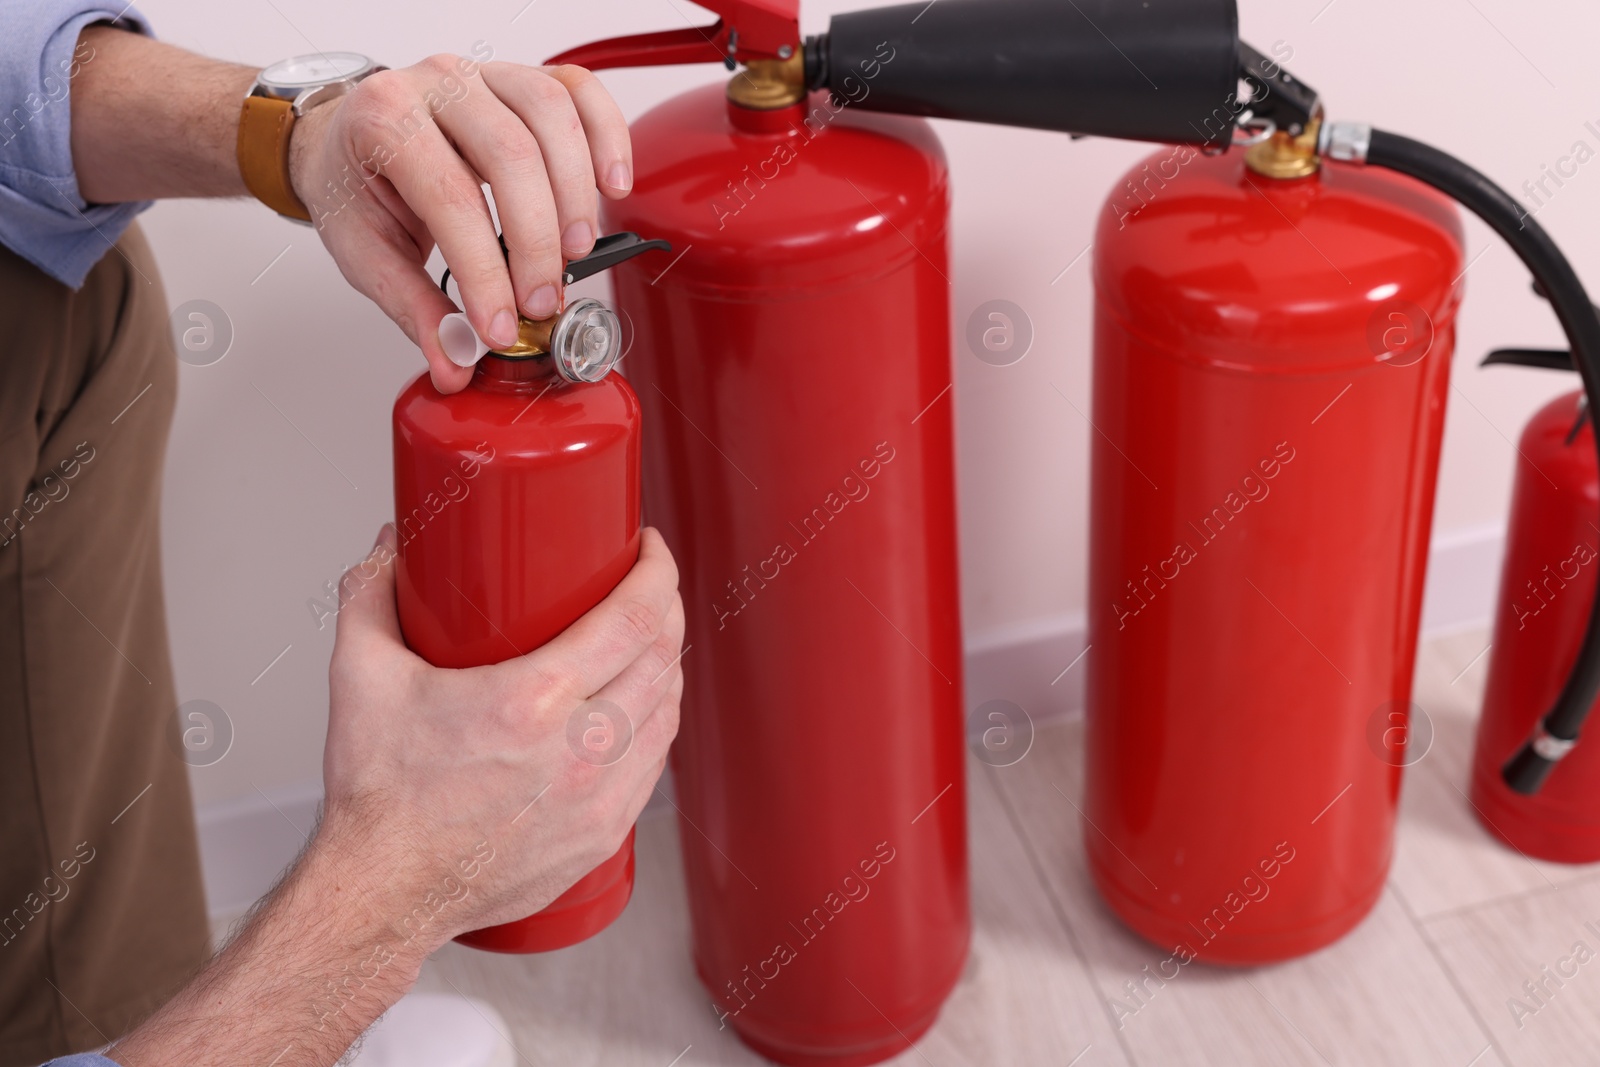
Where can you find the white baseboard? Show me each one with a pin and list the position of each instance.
(246, 843)
(1037, 665)
(1463, 580)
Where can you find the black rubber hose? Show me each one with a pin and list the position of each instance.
(1526, 771)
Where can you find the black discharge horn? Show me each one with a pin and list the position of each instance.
(1147, 70)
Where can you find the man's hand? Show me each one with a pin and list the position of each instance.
(387, 171)
(428, 770)
(397, 166)
(428, 829)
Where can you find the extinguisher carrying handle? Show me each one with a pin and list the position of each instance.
(608, 251)
(1557, 732)
(744, 30)
(1541, 358)
(1545, 359)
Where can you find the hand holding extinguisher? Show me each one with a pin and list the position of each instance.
(426, 768)
(517, 510)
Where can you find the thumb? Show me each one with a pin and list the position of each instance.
(366, 595)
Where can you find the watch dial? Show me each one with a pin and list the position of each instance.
(302, 72)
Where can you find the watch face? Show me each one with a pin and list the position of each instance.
(290, 76)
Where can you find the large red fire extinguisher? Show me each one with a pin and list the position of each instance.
(1547, 583)
(1272, 346)
(1271, 361)
(517, 509)
(794, 365)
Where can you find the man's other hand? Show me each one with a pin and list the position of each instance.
(462, 783)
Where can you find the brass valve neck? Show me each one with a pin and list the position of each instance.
(533, 338)
(1284, 156)
(769, 84)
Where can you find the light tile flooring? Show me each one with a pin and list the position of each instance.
(1424, 980)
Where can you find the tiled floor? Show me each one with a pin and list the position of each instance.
(1426, 979)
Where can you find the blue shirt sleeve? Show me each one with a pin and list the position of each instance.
(42, 216)
(85, 1059)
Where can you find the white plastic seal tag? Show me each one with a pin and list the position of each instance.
(460, 341)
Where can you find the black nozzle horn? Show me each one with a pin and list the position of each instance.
(1152, 70)
(608, 252)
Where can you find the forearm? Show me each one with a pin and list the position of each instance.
(150, 120)
(316, 965)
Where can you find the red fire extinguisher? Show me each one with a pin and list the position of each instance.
(1547, 583)
(1271, 361)
(794, 364)
(516, 511)
(1272, 346)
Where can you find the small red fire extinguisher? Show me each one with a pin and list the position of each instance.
(516, 511)
(1547, 583)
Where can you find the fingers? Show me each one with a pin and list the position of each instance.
(385, 264)
(604, 642)
(643, 683)
(523, 137)
(548, 109)
(643, 766)
(610, 151)
(647, 693)
(443, 191)
(642, 793)
(655, 737)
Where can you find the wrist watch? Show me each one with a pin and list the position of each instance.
(282, 93)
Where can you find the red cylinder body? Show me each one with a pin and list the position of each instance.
(794, 362)
(1546, 587)
(517, 510)
(1262, 486)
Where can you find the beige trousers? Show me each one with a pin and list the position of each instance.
(102, 915)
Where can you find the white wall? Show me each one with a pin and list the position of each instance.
(262, 508)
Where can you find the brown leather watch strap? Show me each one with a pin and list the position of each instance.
(264, 125)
